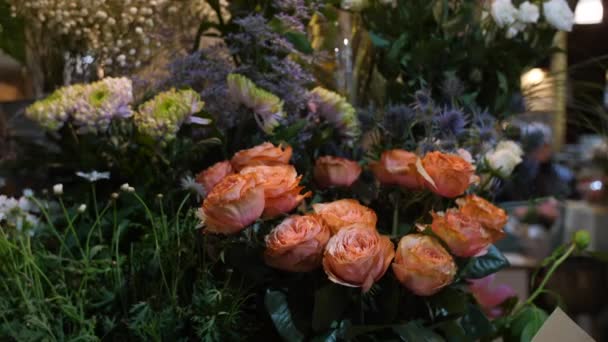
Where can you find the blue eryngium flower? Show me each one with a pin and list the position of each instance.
(451, 121)
(423, 100)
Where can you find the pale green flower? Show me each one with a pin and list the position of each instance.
(267, 107)
(162, 116)
(336, 110)
(100, 102)
(54, 110)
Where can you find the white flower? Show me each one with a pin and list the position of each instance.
(510, 145)
(82, 208)
(559, 14)
(93, 176)
(114, 195)
(514, 29)
(503, 12)
(27, 192)
(528, 13)
(354, 5)
(127, 188)
(26, 205)
(58, 189)
(190, 184)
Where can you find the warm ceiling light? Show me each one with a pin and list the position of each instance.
(532, 78)
(589, 12)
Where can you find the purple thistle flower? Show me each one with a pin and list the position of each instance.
(398, 118)
(451, 122)
(423, 101)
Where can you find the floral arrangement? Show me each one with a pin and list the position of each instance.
(489, 43)
(120, 35)
(309, 217)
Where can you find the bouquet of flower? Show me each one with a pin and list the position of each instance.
(482, 46)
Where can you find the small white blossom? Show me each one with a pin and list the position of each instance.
(503, 12)
(354, 5)
(27, 192)
(125, 187)
(188, 183)
(58, 189)
(82, 208)
(528, 13)
(559, 14)
(93, 176)
(505, 157)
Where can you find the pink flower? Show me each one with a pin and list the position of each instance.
(489, 296)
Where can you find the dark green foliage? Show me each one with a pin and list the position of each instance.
(121, 272)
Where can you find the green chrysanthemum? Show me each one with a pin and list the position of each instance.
(102, 101)
(53, 111)
(162, 116)
(335, 109)
(267, 107)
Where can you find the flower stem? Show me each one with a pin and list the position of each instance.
(546, 278)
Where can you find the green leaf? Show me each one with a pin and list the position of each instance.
(415, 332)
(453, 331)
(299, 41)
(378, 41)
(527, 323)
(330, 302)
(484, 265)
(276, 304)
(448, 302)
(475, 323)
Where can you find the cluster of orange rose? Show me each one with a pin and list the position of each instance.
(341, 236)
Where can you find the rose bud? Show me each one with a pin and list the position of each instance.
(264, 154)
(233, 204)
(297, 244)
(423, 265)
(465, 236)
(281, 185)
(490, 296)
(334, 171)
(345, 212)
(397, 167)
(447, 175)
(492, 218)
(357, 256)
(209, 177)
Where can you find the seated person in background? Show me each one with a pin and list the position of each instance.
(538, 176)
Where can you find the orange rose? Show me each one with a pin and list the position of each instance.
(423, 265)
(233, 204)
(297, 244)
(447, 175)
(492, 218)
(345, 212)
(334, 171)
(397, 167)
(465, 236)
(264, 154)
(214, 174)
(357, 256)
(281, 185)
